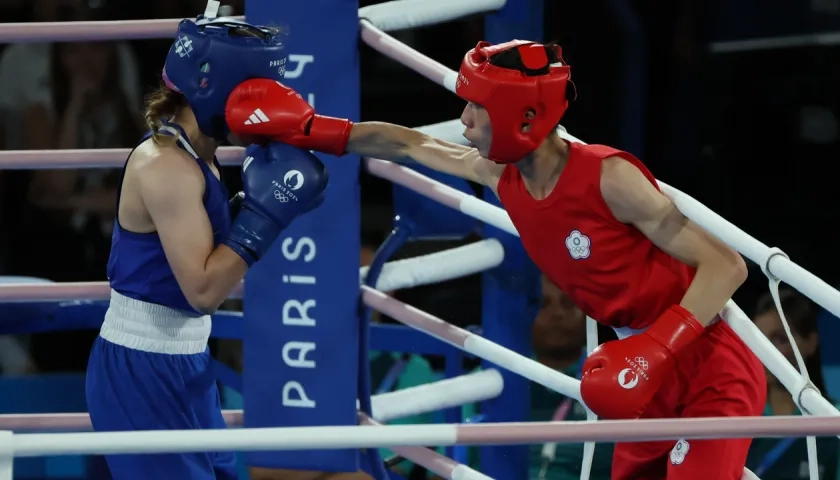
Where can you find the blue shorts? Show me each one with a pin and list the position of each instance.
(130, 389)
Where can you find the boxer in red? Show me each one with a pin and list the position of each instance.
(594, 221)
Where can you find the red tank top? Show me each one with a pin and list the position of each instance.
(609, 269)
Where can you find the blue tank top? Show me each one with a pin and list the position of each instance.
(137, 266)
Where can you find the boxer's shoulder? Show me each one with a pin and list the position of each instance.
(149, 155)
(163, 163)
(160, 174)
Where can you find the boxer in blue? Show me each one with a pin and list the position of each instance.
(177, 251)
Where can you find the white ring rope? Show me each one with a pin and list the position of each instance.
(436, 396)
(311, 438)
(394, 15)
(431, 460)
(418, 400)
(442, 193)
(77, 31)
(115, 157)
(411, 272)
(405, 55)
(472, 343)
(824, 39)
(441, 266)
(403, 14)
(431, 397)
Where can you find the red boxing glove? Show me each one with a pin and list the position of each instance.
(261, 109)
(621, 377)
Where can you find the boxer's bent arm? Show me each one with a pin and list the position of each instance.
(172, 188)
(400, 144)
(634, 200)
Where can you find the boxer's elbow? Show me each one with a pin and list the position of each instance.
(205, 294)
(728, 265)
(206, 302)
(211, 286)
(738, 270)
(740, 267)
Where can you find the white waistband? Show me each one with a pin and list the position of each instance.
(626, 332)
(154, 328)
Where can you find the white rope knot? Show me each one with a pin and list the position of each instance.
(809, 385)
(773, 282)
(765, 267)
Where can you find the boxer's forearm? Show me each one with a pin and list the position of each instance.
(222, 272)
(714, 283)
(383, 140)
(400, 144)
(633, 199)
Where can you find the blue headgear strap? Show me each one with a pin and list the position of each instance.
(211, 56)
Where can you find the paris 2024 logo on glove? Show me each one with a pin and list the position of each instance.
(292, 181)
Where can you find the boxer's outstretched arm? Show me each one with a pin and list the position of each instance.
(634, 200)
(400, 144)
(172, 187)
(293, 121)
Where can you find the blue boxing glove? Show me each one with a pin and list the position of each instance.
(280, 182)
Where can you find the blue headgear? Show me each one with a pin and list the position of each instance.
(211, 56)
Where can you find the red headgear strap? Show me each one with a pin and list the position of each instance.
(508, 95)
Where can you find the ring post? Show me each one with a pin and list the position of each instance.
(301, 301)
(397, 238)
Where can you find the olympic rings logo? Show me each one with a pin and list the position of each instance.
(278, 195)
(640, 361)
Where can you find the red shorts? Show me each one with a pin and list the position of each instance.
(717, 376)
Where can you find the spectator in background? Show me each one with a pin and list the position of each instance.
(558, 337)
(70, 212)
(87, 109)
(787, 458)
(25, 77)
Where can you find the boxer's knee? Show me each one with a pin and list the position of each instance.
(259, 473)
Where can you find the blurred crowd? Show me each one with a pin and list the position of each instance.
(747, 133)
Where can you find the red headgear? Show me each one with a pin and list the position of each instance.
(508, 95)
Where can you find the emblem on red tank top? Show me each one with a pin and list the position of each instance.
(578, 245)
(679, 452)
